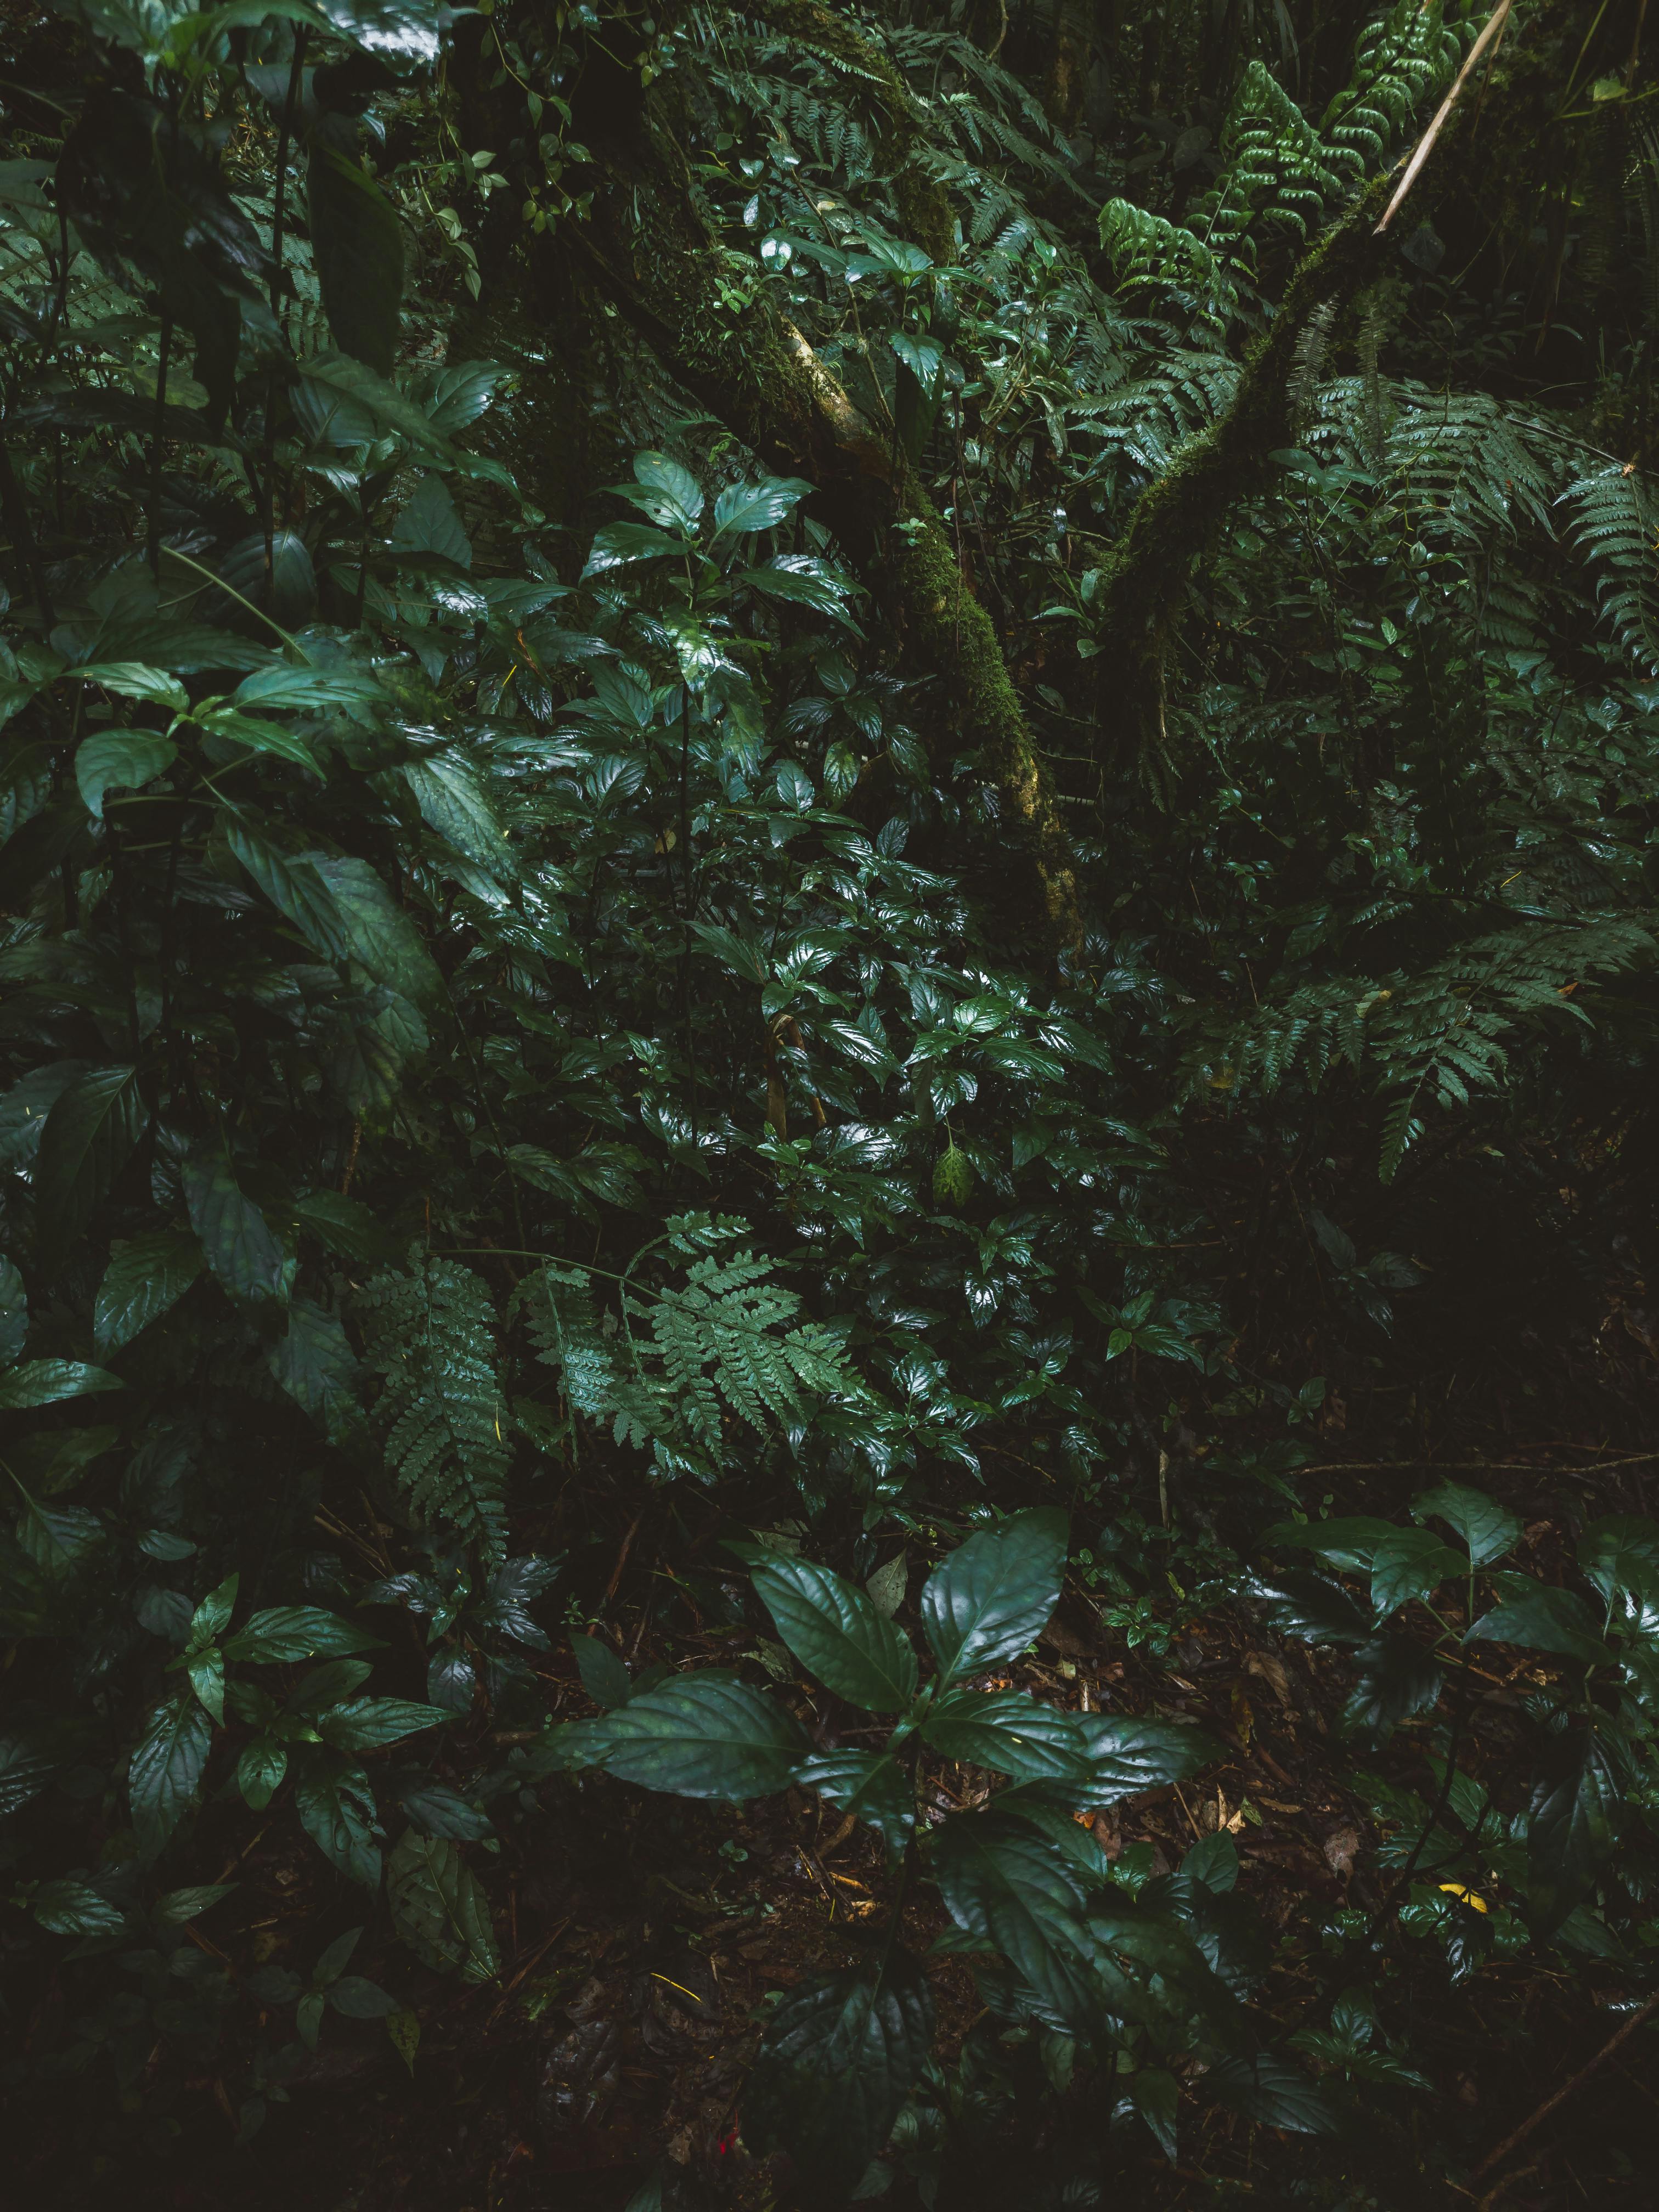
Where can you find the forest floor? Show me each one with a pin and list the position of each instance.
(641, 1935)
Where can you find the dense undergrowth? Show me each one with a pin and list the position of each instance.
(859, 838)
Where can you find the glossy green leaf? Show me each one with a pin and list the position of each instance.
(428, 523)
(1126, 1756)
(166, 1766)
(1275, 2093)
(336, 1810)
(871, 1786)
(315, 1364)
(1487, 1529)
(604, 1678)
(147, 1275)
(1407, 1563)
(371, 1723)
(995, 1594)
(1156, 2095)
(261, 1767)
(239, 1244)
(705, 1734)
(283, 1635)
(1620, 1552)
(1010, 1732)
(836, 1631)
(439, 1908)
(1571, 1819)
(1003, 1883)
(48, 1382)
(838, 2061)
(90, 1134)
(68, 1907)
(121, 760)
(1541, 1618)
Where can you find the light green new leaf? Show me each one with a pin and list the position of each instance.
(147, 1274)
(995, 1594)
(125, 759)
(836, 1630)
(439, 1908)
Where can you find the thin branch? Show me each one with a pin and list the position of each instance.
(1424, 146)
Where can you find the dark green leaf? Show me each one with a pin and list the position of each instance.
(68, 1907)
(437, 1810)
(871, 1786)
(1398, 1679)
(238, 1242)
(48, 1382)
(1350, 1544)
(1544, 1619)
(439, 1908)
(1011, 1733)
(1125, 1756)
(1620, 1552)
(1275, 2093)
(283, 1634)
(706, 1734)
(357, 244)
(604, 1678)
(1311, 1609)
(996, 1593)
(1571, 1823)
(166, 1766)
(260, 1769)
(1156, 2095)
(370, 1723)
(429, 524)
(836, 1631)
(1410, 1563)
(316, 1367)
(1487, 1530)
(123, 758)
(1003, 1883)
(14, 1314)
(837, 2062)
(146, 1275)
(337, 1811)
(90, 1131)
(357, 1999)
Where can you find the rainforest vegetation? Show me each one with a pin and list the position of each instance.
(828, 1162)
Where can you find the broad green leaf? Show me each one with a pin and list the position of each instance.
(380, 936)
(180, 1906)
(284, 1634)
(1310, 1609)
(706, 1734)
(308, 689)
(357, 247)
(1571, 1823)
(212, 1617)
(1156, 2095)
(1487, 1530)
(48, 1382)
(24, 1108)
(131, 680)
(241, 1248)
(370, 1723)
(1003, 1883)
(68, 1907)
(439, 1908)
(89, 1137)
(1125, 1757)
(1398, 1679)
(356, 1998)
(995, 1594)
(429, 523)
(1213, 1860)
(165, 1767)
(206, 1675)
(1350, 1545)
(124, 759)
(316, 1367)
(292, 885)
(1544, 1619)
(437, 1810)
(889, 1584)
(14, 1313)
(1407, 1563)
(838, 2060)
(1619, 1553)
(361, 387)
(742, 507)
(1013, 1733)
(1274, 2092)
(337, 1811)
(604, 1678)
(620, 544)
(871, 1786)
(260, 735)
(54, 1460)
(260, 1770)
(347, 1226)
(24, 1772)
(335, 1960)
(453, 802)
(146, 1276)
(837, 1633)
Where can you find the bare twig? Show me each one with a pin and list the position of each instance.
(1426, 144)
(1551, 2104)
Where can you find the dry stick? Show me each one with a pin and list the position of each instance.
(622, 1561)
(1471, 1466)
(1499, 16)
(1513, 2141)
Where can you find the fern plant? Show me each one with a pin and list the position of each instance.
(431, 1337)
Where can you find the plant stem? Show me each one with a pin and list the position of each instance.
(155, 447)
(278, 228)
